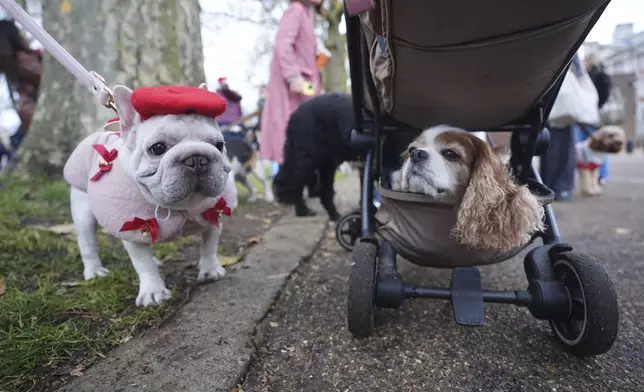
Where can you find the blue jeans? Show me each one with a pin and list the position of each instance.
(580, 136)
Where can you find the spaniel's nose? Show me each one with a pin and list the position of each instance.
(416, 155)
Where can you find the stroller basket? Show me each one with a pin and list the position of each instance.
(418, 227)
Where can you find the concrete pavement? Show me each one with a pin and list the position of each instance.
(418, 347)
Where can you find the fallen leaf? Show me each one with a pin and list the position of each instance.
(621, 231)
(228, 260)
(3, 287)
(268, 221)
(254, 240)
(77, 371)
(62, 229)
(251, 217)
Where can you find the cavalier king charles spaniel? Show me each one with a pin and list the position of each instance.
(494, 212)
(591, 153)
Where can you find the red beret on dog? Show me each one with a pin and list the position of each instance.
(161, 100)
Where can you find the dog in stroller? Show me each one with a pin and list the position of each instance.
(495, 68)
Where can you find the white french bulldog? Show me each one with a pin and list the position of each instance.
(155, 179)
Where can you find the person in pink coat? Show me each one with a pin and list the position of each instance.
(293, 64)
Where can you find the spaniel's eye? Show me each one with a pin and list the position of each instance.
(220, 146)
(157, 149)
(450, 155)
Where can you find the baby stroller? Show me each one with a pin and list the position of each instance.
(494, 65)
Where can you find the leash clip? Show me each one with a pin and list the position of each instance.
(103, 93)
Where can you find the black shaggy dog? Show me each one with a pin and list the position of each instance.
(317, 143)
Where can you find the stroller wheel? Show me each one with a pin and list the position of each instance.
(362, 285)
(591, 327)
(347, 230)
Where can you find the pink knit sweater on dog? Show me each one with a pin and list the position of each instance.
(118, 204)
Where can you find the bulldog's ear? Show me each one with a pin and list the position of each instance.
(124, 108)
(204, 86)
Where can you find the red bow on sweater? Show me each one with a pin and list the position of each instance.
(213, 214)
(150, 226)
(107, 157)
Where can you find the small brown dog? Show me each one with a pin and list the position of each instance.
(591, 153)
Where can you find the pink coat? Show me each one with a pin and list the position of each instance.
(294, 54)
(115, 199)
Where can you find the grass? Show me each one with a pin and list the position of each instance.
(50, 316)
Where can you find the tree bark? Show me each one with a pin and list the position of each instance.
(335, 73)
(135, 43)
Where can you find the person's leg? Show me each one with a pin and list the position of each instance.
(17, 137)
(603, 171)
(557, 164)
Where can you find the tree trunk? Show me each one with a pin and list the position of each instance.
(135, 43)
(335, 73)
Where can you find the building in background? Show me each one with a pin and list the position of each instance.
(623, 59)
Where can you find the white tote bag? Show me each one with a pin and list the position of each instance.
(576, 102)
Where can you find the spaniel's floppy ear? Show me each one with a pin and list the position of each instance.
(495, 213)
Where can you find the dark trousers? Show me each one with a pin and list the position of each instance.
(557, 166)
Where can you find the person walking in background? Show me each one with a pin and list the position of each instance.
(575, 104)
(22, 67)
(293, 65)
(233, 99)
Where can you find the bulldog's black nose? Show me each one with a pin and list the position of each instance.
(197, 162)
(416, 155)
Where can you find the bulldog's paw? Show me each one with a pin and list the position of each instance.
(95, 272)
(152, 292)
(211, 271)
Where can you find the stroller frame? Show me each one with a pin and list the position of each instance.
(585, 321)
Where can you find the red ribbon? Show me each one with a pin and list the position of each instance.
(588, 165)
(213, 214)
(106, 164)
(145, 225)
